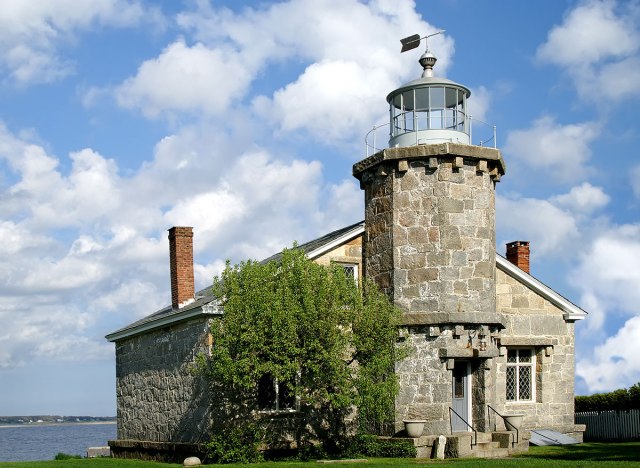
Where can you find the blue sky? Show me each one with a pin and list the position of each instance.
(122, 118)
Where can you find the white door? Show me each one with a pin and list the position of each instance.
(461, 396)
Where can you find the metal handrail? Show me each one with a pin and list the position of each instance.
(371, 148)
(513, 442)
(474, 441)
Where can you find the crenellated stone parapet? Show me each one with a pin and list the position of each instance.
(485, 159)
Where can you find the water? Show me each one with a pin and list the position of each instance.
(31, 443)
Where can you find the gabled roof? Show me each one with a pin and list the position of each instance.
(204, 303)
(315, 248)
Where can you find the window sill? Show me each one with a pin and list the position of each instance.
(284, 412)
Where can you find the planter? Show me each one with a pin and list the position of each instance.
(414, 427)
(513, 421)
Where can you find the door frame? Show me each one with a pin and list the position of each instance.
(467, 390)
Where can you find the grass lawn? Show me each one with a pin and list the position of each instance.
(583, 455)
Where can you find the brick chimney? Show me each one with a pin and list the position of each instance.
(518, 254)
(181, 264)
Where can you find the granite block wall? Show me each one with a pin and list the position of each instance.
(533, 322)
(159, 396)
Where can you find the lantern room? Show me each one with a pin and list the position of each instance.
(430, 109)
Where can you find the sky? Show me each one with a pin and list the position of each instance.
(122, 118)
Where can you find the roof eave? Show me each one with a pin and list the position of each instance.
(571, 312)
(164, 321)
(346, 237)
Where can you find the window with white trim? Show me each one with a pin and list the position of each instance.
(521, 367)
(350, 270)
(275, 396)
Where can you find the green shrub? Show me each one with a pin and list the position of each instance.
(372, 446)
(236, 445)
(618, 400)
(65, 456)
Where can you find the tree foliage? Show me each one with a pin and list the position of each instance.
(621, 399)
(323, 338)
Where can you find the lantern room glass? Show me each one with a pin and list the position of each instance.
(428, 108)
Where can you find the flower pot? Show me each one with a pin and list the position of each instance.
(414, 427)
(513, 421)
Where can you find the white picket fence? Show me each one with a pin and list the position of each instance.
(610, 425)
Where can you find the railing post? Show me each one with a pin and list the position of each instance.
(374, 139)
(471, 129)
(495, 142)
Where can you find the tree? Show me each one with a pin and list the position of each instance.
(303, 342)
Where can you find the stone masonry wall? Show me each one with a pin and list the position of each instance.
(533, 322)
(426, 374)
(425, 384)
(444, 238)
(350, 252)
(159, 398)
(377, 258)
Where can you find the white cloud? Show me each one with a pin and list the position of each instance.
(608, 269)
(597, 44)
(110, 264)
(46, 329)
(330, 100)
(583, 198)
(549, 228)
(31, 31)
(346, 71)
(561, 150)
(479, 103)
(186, 79)
(16, 239)
(615, 363)
(590, 33)
(319, 30)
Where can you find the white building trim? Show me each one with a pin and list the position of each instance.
(346, 237)
(571, 311)
(164, 321)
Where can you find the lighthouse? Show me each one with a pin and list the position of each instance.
(429, 243)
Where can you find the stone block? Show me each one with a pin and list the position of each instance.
(450, 205)
(95, 452)
(440, 444)
(484, 270)
(420, 275)
(519, 301)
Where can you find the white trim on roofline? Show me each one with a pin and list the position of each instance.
(571, 311)
(347, 236)
(164, 321)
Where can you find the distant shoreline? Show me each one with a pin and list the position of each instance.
(70, 423)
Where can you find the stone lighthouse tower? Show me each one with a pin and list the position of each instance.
(429, 242)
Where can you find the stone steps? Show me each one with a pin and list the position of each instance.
(489, 445)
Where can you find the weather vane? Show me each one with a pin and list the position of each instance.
(427, 60)
(412, 42)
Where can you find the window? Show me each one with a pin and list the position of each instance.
(520, 374)
(350, 270)
(274, 396)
